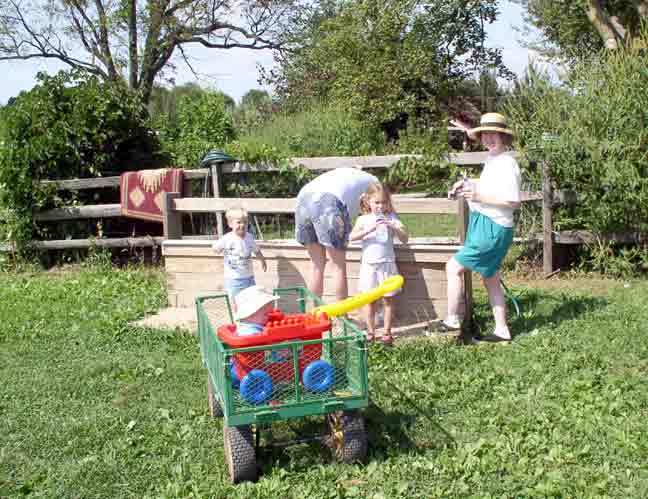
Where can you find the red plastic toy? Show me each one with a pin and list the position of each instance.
(279, 328)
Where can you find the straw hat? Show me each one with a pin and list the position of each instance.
(250, 300)
(491, 122)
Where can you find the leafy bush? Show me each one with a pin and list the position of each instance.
(202, 121)
(600, 121)
(319, 130)
(69, 125)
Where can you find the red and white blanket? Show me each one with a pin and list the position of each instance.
(142, 192)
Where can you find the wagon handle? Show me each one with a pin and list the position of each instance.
(342, 307)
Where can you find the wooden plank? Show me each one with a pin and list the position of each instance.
(287, 205)
(403, 204)
(292, 251)
(124, 242)
(79, 212)
(325, 163)
(216, 175)
(587, 237)
(252, 205)
(547, 224)
(77, 184)
(172, 220)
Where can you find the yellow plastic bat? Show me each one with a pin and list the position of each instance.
(342, 307)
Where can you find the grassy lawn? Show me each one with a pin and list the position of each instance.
(438, 225)
(91, 407)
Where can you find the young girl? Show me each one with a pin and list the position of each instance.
(376, 228)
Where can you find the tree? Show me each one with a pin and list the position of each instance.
(387, 61)
(127, 41)
(571, 28)
(163, 103)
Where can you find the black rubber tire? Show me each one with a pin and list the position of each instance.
(347, 436)
(239, 453)
(215, 407)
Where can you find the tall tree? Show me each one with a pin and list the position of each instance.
(388, 61)
(572, 28)
(135, 41)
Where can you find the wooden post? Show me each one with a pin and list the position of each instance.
(172, 218)
(463, 214)
(216, 171)
(547, 225)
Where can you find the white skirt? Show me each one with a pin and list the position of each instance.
(372, 275)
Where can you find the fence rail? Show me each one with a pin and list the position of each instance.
(404, 203)
(466, 159)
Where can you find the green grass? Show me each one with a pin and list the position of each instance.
(91, 407)
(417, 225)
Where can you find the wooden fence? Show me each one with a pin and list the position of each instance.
(213, 176)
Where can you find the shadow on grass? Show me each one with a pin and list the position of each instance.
(388, 433)
(537, 309)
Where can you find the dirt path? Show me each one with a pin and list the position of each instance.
(185, 318)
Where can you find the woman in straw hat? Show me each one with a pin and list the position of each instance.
(492, 199)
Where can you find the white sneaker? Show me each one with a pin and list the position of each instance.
(452, 322)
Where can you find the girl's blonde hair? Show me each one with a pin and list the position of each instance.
(373, 190)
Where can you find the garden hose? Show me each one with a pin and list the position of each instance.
(511, 297)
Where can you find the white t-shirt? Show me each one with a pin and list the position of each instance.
(237, 254)
(374, 251)
(499, 178)
(346, 184)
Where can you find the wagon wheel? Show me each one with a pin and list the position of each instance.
(239, 453)
(215, 407)
(347, 436)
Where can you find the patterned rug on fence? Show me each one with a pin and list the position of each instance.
(142, 192)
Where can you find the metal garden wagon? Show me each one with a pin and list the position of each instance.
(303, 366)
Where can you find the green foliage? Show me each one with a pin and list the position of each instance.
(255, 109)
(560, 413)
(69, 125)
(318, 130)
(430, 172)
(386, 62)
(201, 121)
(567, 32)
(599, 119)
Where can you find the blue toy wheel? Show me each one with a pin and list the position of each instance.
(256, 386)
(318, 376)
(235, 381)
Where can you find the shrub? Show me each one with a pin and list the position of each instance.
(69, 125)
(319, 130)
(599, 118)
(203, 122)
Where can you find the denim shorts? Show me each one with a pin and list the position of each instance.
(235, 286)
(322, 218)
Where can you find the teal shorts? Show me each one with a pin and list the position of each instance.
(486, 245)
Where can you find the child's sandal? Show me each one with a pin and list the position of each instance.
(371, 337)
(387, 339)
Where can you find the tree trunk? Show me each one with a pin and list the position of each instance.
(608, 29)
(132, 44)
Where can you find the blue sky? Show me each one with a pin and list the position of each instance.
(235, 71)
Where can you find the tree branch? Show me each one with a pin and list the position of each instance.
(104, 43)
(602, 23)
